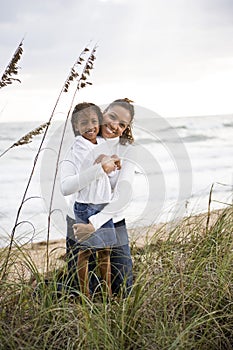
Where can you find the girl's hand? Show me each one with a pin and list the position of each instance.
(99, 159)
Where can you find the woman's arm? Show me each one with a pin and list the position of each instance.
(122, 194)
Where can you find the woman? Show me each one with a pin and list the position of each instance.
(116, 129)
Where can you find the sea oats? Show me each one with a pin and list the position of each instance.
(12, 68)
(29, 136)
(73, 75)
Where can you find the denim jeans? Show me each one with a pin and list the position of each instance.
(105, 236)
(121, 261)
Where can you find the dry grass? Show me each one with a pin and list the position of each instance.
(187, 229)
(12, 68)
(182, 297)
(80, 80)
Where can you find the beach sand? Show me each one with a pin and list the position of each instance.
(139, 237)
(33, 257)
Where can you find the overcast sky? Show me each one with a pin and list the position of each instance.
(172, 56)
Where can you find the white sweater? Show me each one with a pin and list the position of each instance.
(88, 183)
(81, 177)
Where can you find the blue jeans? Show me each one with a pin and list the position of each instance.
(121, 261)
(105, 236)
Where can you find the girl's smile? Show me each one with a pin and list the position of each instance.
(88, 126)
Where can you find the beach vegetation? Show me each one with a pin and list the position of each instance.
(182, 296)
(12, 69)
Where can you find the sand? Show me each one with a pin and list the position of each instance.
(139, 236)
(35, 254)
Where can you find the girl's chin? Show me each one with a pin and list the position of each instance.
(89, 138)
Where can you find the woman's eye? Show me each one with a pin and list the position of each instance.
(112, 117)
(122, 125)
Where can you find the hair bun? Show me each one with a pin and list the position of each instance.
(126, 99)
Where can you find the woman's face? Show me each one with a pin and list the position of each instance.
(115, 121)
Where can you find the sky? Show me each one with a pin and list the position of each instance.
(174, 57)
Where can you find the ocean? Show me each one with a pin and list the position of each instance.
(179, 160)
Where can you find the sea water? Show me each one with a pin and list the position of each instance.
(182, 162)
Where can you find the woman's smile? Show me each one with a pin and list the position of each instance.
(115, 121)
(109, 130)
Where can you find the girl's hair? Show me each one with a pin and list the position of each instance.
(79, 109)
(127, 135)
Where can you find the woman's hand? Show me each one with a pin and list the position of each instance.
(108, 163)
(117, 161)
(83, 231)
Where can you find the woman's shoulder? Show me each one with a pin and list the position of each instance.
(127, 147)
(128, 152)
(100, 140)
(81, 143)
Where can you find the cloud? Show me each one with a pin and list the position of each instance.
(141, 44)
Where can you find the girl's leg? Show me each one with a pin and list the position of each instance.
(83, 260)
(105, 268)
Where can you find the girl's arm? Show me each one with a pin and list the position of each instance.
(73, 178)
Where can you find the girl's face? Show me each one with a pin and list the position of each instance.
(88, 125)
(115, 121)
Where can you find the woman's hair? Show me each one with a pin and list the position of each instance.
(127, 135)
(79, 109)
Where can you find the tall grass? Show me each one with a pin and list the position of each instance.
(182, 298)
(78, 75)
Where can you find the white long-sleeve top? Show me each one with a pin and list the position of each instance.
(89, 183)
(86, 181)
